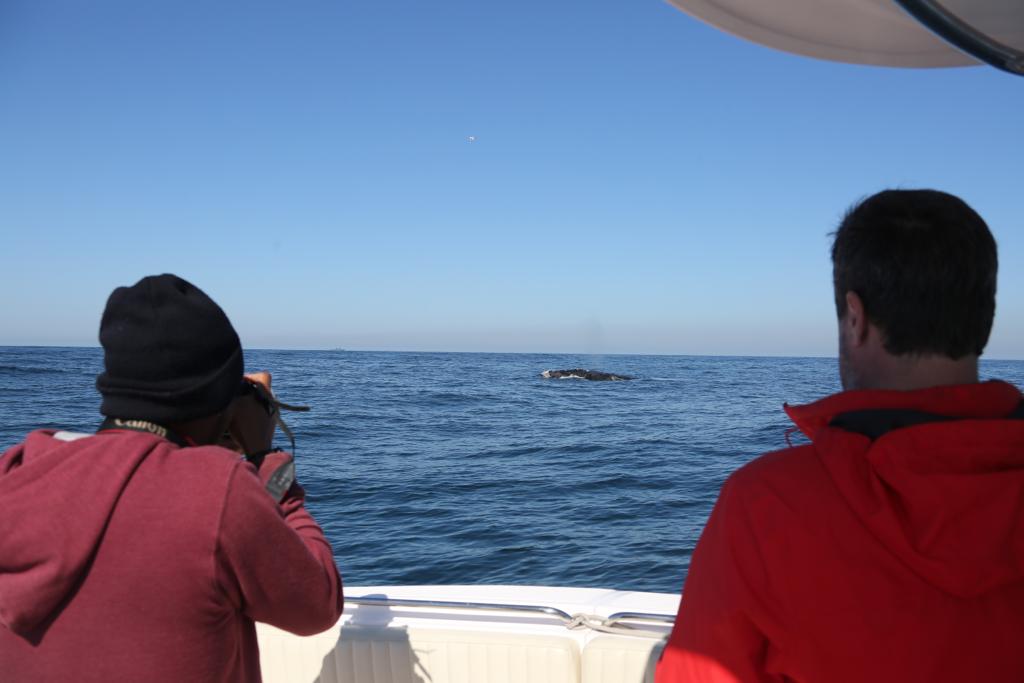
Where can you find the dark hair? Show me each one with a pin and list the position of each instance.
(924, 264)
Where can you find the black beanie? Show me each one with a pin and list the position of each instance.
(169, 351)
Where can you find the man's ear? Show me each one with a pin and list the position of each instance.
(855, 321)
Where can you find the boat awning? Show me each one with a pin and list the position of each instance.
(880, 32)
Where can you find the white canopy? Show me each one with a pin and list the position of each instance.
(858, 31)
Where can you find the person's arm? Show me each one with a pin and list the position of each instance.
(715, 638)
(273, 561)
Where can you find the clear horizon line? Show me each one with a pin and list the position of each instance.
(508, 353)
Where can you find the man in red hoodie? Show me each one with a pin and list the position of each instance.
(146, 551)
(891, 547)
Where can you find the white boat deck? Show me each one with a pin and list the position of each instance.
(506, 634)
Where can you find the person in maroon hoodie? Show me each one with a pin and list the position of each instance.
(891, 547)
(146, 551)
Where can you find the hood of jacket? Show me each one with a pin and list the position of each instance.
(935, 475)
(57, 497)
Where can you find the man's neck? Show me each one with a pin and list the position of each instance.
(907, 373)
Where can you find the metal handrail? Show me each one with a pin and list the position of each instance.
(613, 619)
(488, 606)
(569, 620)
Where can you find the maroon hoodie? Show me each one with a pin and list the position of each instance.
(126, 558)
(889, 549)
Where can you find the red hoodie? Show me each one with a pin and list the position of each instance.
(889, 549)
(126, 558)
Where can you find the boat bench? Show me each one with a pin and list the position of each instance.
(375, 654)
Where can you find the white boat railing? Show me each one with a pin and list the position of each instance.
(614, 623)
(640, 616)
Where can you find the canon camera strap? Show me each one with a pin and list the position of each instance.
(116, 424)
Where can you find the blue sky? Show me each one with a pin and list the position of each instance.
(639, 183)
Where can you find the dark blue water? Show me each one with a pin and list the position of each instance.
(470, 468)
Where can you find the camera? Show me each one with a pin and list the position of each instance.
(260, 392)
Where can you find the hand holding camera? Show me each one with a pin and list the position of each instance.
(254, 416)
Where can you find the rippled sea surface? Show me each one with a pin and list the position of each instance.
(429, 468)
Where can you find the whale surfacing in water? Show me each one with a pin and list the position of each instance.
(580, 373)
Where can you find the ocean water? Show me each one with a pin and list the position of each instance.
(470, 468)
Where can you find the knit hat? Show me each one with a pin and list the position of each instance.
(169, 351)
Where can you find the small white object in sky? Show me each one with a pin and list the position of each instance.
(471, 138)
